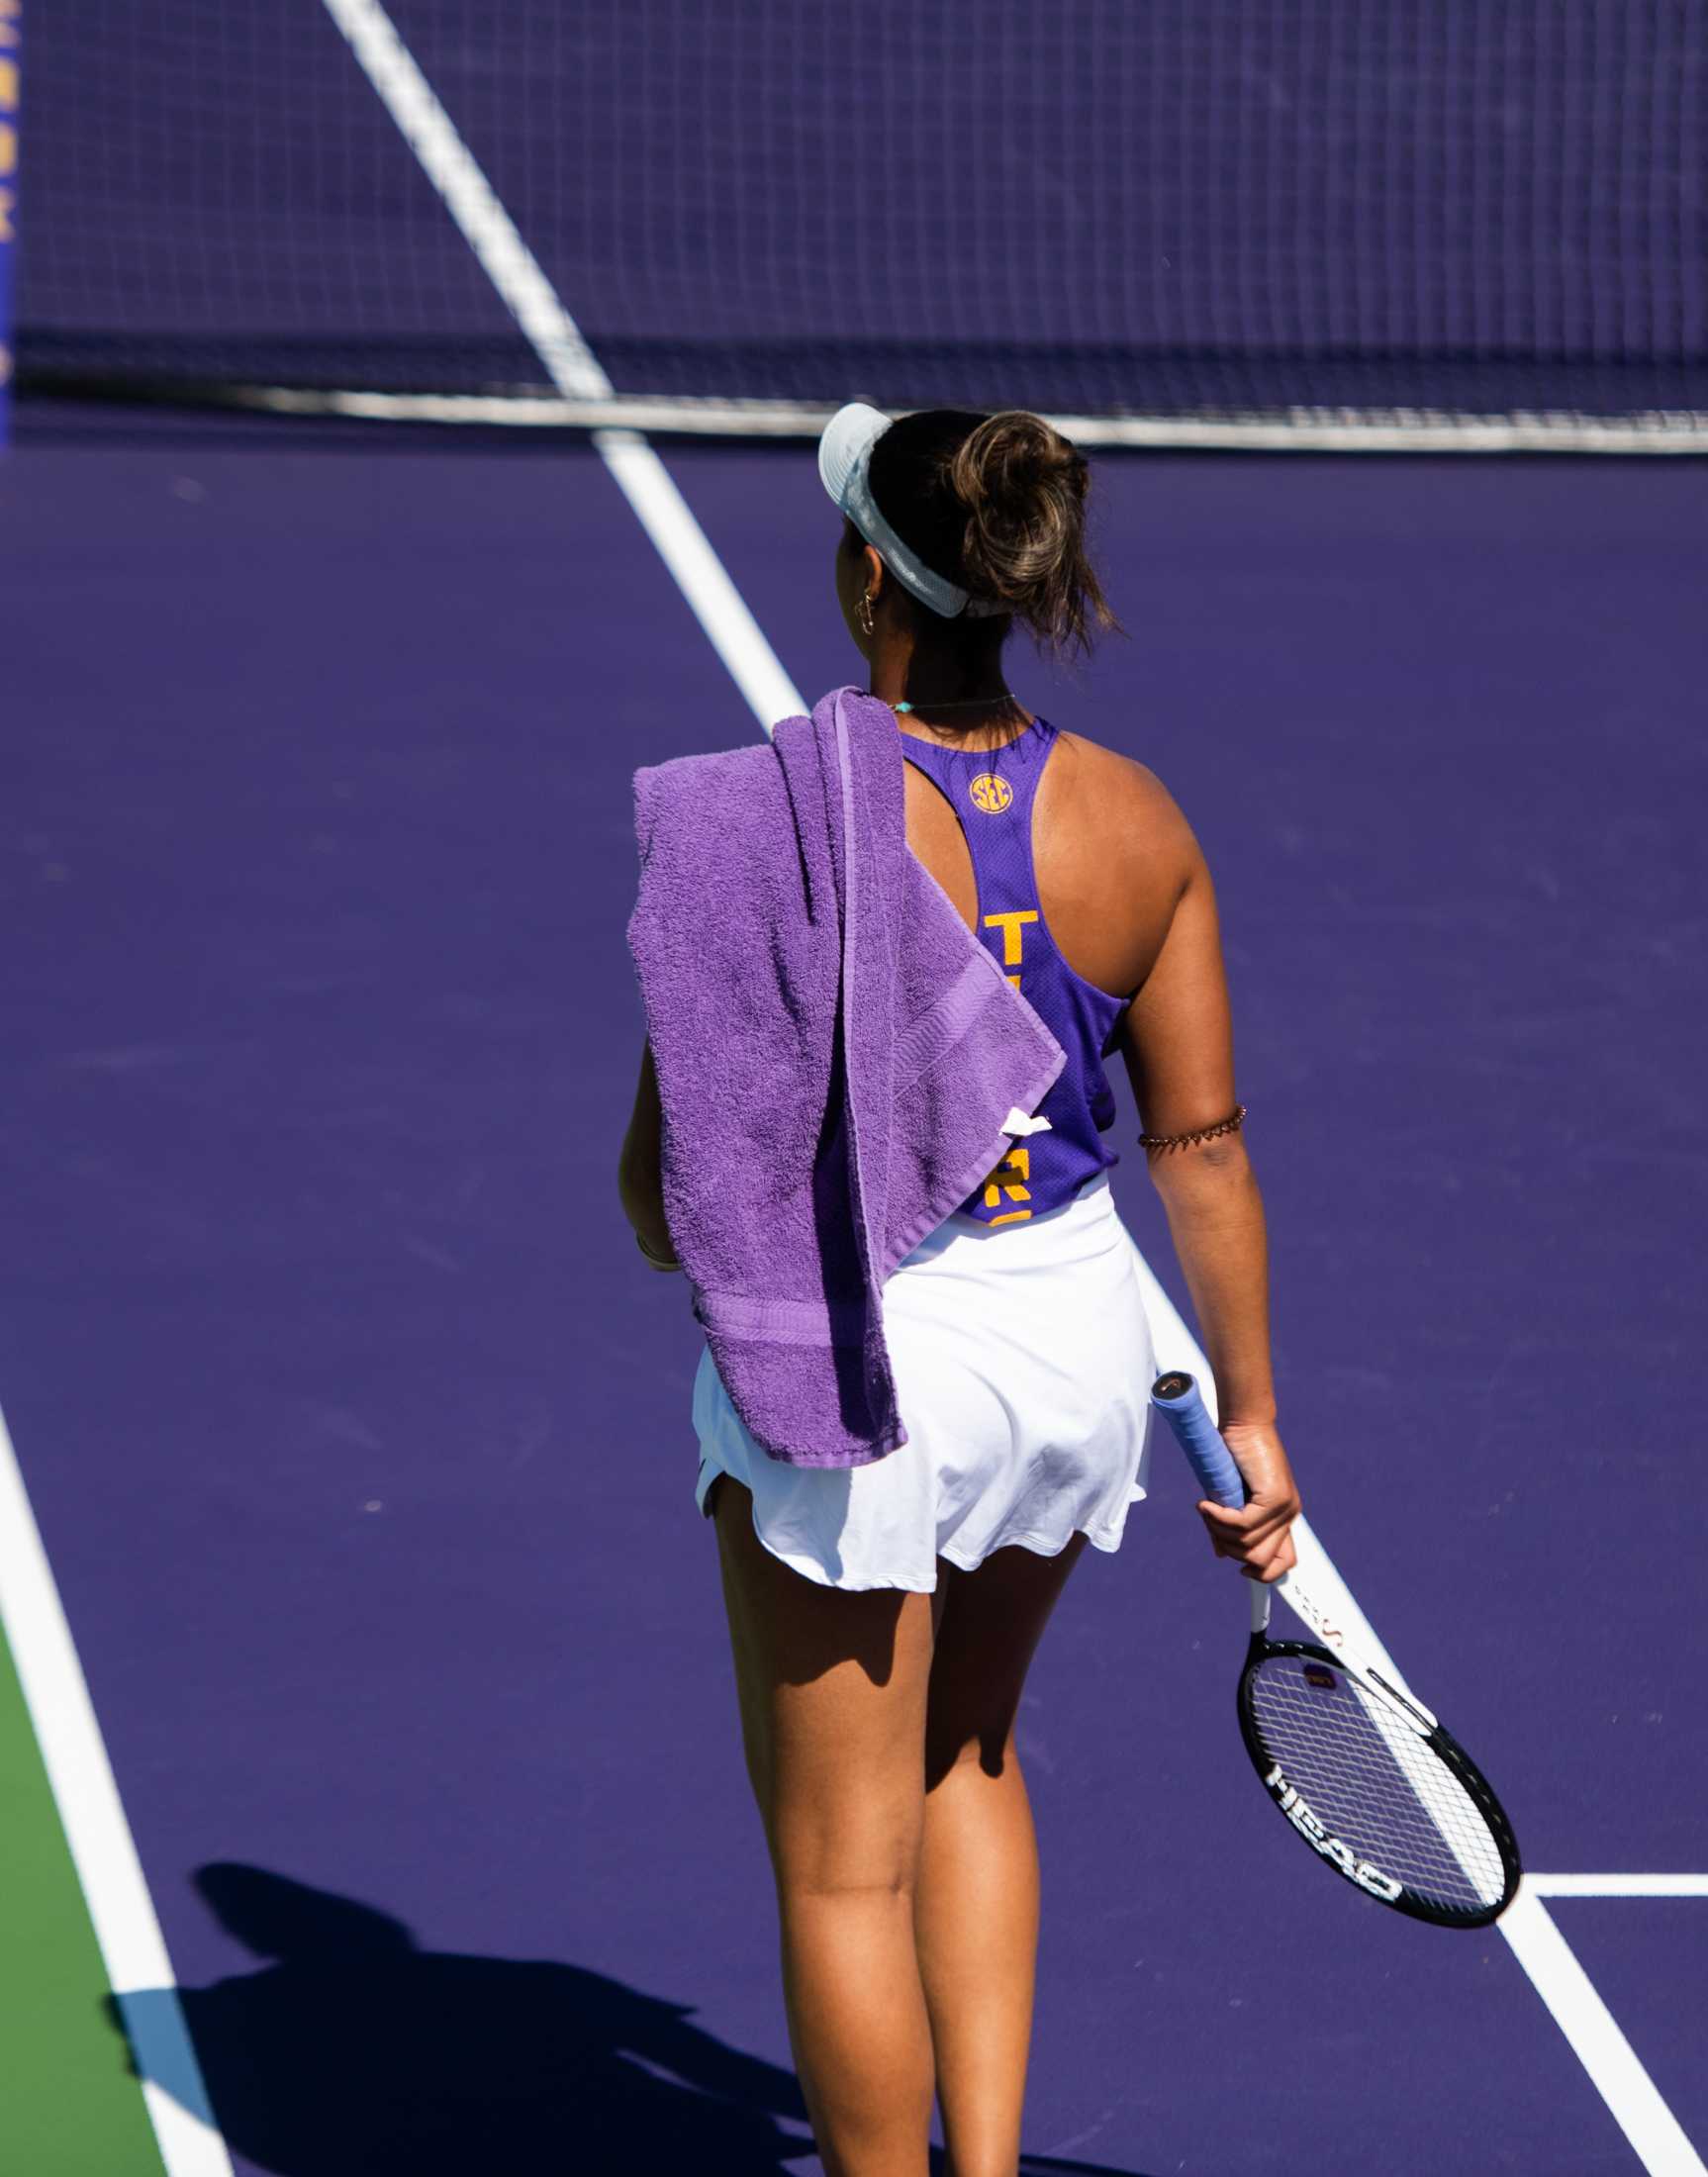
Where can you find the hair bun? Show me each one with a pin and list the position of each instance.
(1023, 487)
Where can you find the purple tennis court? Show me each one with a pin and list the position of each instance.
(357, 1440)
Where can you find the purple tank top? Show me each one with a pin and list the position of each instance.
(991, 792)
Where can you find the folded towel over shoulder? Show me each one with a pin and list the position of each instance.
(840, 1060)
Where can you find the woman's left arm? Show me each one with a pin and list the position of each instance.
(638, 1174)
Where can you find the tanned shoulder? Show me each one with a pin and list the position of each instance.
(1133, 816)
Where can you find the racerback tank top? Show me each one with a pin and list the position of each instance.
(991, 792)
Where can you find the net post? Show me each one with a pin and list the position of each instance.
(11, 74)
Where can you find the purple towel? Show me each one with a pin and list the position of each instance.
(839, 1061)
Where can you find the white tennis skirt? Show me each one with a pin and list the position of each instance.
(1024, 1367)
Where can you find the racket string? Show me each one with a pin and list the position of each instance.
(1372, 1782)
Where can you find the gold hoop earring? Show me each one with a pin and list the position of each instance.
(864, 614)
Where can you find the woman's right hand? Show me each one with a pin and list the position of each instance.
(1259, 1534)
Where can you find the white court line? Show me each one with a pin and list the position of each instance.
(102, 1848)
(1618, 1885)
(718, 604)
(1609, 2058)
(722, 613)
(571, 364)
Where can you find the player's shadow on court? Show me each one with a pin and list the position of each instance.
(354, 2052)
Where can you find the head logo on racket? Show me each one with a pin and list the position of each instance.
(1316, 1833)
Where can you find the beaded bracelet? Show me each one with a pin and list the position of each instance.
(1198, 1133)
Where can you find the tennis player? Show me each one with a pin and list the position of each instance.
(883, 1617)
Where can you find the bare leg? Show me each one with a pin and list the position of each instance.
(832, 1688)
(976, 1912)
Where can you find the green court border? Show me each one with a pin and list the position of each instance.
(72, 2106)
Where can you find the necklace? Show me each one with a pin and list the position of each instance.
(961, 702)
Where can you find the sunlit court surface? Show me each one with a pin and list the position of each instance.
(370, 1777)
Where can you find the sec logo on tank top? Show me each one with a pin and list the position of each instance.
(991, 791)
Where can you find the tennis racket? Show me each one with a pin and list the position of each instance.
(1371, 1780)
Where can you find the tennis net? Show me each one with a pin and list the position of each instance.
(1186, 214)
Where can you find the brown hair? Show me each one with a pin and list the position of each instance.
(997, 503)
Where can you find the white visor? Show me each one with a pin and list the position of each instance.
(844, 452)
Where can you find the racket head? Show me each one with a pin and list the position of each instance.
(1406, 1817)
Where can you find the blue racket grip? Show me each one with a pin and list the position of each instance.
(1177, 1398)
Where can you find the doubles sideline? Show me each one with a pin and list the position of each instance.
(97, 1835)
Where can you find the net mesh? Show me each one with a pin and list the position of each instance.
(1374, 1784)
(1197, 205)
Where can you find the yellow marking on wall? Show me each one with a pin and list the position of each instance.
(1010, 926)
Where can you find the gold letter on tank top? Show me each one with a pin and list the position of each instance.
(1018, 1161)
(1010, 926)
